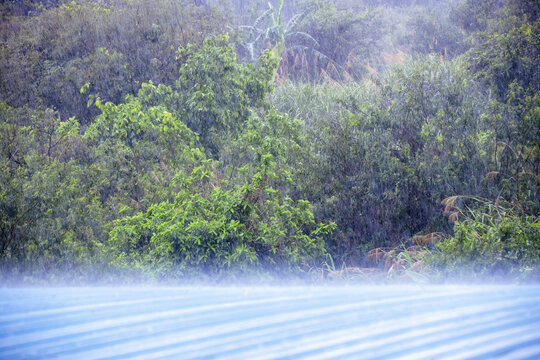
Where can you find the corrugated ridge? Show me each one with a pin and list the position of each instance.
(271, 323)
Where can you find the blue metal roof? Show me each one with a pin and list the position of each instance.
(393, 322)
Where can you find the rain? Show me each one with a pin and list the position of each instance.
(250, 179)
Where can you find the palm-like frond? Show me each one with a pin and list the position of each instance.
(305, 37)
(250, 31)
(268, 27)
(260, 20)
(272, 33)
(297, 48)
(319, 55)
(293, 23)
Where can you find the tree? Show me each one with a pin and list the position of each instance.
(210, 231)
(112, 46)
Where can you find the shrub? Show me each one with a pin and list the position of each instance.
(490, 241)
(210, 231)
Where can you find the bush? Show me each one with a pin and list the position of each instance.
(490, 242)
(382, 154)
(210, 231)
(113, 46)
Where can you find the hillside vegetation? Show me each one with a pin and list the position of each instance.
(373, 140)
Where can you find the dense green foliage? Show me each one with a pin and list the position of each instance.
(490, 241)
(394, 150)
(46, 59)
(220, 232)
(139, 141)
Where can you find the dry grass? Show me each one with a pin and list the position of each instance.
(391, 58)
(428, 239)
(449, 204)
(492, 174)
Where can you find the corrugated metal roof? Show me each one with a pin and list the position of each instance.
(413, 322)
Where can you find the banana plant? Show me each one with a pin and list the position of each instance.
(268, 31)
